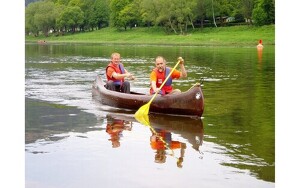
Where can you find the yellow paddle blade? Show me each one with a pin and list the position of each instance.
(143, 119)
(143, 110)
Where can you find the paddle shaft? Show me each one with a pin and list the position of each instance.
(164, 82)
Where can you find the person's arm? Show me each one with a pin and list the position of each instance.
(153, 85)
(153, 81)
(119, 76)
(183, 72)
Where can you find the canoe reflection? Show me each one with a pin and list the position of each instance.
(189, 128)
(115, 127)
(166, 126)
(168, 133)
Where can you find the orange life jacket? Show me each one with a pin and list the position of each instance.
(119, 69)
(160, 78)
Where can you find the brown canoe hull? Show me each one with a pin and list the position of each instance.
(189, 103)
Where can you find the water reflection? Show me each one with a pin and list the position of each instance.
(115, 128)
(50, 122)
(188, 129)
(259, 55)
(162, 140)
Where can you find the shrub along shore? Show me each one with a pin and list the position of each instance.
(221, 36)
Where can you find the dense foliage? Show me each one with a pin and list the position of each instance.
(177, 16)
(29, 1)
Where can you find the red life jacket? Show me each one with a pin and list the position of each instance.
(119, 69)
(160, 78)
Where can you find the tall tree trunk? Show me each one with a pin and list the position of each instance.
(192, 23)
(185, 29)
(172, 26)
(212, 4)
(180, 27)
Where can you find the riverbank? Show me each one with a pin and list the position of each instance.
(221, 36)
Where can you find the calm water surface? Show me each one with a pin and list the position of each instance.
(73, 141)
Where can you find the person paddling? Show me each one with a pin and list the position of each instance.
(161, 71)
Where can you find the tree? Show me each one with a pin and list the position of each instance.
(62, 2)
(259, 16)
(71, 18)
(45, 17)
(59, 9)
(30, 25)
(173, 15)
(199, 11)
(264, 12)
(183, 14)
(40, 16)
(100, 15)
(150, 11)
(269, 7)
(116, 7)
(247, 8)
(130, 15)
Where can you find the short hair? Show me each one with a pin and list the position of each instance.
(115, 54)
(158, 57)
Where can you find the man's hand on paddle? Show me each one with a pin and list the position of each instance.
(181, 60)
(183, 73)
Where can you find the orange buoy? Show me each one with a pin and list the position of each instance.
(260, 45)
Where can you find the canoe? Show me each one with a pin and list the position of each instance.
(188, 103)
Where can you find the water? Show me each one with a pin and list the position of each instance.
(72, 140)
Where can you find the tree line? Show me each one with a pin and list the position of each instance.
(176, 16)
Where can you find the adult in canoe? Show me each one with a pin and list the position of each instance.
(161, 71)
(116, 74)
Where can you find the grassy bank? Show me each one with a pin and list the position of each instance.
(221, 36)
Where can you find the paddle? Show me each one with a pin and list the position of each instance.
(144, 110)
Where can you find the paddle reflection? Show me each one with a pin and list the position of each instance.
(115, 128)
(162, 130)
(161, 141)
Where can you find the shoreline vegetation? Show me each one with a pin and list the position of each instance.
(221, 36)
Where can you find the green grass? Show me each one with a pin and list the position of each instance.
(221, 36)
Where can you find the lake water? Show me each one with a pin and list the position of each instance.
(72, 140)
